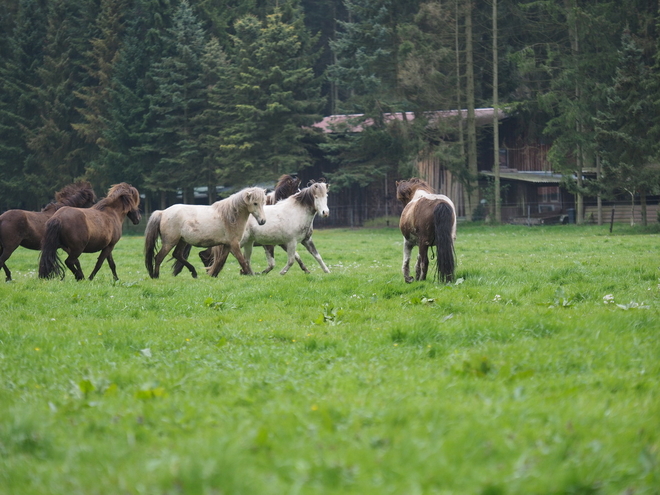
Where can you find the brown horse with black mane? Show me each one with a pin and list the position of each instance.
(90, 230)
(428, 219)
(27, 228)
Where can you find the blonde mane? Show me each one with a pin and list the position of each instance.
(228, 208)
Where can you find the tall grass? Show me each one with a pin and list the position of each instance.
(536, 372)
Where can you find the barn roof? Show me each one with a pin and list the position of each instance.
(537, 177)
(354, 123)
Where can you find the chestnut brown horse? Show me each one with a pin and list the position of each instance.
(27, 228)
(90, 230)
(428, 219)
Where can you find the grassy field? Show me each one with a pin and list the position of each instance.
(536, 372)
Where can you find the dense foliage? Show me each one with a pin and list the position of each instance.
(174, 94)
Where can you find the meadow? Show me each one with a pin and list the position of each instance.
(536, 372)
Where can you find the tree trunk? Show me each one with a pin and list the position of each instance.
(473, 188)
(496, 123)
(642, 203)
(599, 198)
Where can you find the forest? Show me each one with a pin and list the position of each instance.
(171, 95)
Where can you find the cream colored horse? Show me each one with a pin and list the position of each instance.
(289, 223)
(223, 222)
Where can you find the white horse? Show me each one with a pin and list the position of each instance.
(289, 223)
(223, 222)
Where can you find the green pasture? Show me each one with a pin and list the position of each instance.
(536, 372)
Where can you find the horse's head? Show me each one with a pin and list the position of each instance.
(130, 200)
(406, 189)
(255, 199)
(320, 192)
(287, 185)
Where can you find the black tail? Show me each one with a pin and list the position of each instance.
(50, 265)
(443, 217)
(151, 234)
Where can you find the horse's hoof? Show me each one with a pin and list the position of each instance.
(409, 280)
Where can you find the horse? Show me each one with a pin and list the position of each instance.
(181, 225)
(289, 223)
(428, 219)
(27, 228)
(286, 185)
(78, 231)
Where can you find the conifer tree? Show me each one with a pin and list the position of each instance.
(276, 96)
(22, 55)
(179, 97)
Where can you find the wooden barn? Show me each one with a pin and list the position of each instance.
(531, 191)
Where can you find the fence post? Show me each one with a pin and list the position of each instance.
(612, 218)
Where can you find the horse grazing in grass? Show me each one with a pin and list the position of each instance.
(286, 186)
(289, 223)
(181, 225)
(78, 231)
(27, 228)
(427, 219)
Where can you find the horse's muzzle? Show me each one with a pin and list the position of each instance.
(262, 221)
(325, 213)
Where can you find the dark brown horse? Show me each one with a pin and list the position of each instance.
(287, 185)
(428, 219)
(95, 229)
(27, 228)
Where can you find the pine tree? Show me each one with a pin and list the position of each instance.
(276, 97)
(57, 153)
(19, 105)
(96, 94)
(625, 143)
(178, 99)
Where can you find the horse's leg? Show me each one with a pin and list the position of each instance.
(5, 252)
(74, 265)
(291, 256)
(270, 257)
(422, 265)
(407, 250)
(235, 249)
(298, 259)
(247, 255)
(219, 256)
(309, 244)
(164, 250)
(179, 254)
(106, 254)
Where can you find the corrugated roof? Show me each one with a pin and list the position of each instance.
(538, 177)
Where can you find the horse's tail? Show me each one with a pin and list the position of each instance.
(151, 234)
(50, 265)
(178, 266)
(443, 217)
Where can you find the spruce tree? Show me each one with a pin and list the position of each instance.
(178, 99)
(276, 97)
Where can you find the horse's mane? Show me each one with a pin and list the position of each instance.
(286, 185)
(79, 194)
(306, 196)
(229, 207)
(124, 192)
(406, 189)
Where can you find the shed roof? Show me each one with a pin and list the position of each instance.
(354, 123)
(537, 177)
